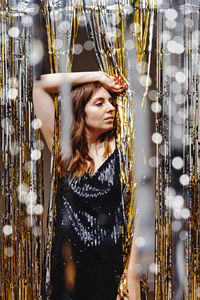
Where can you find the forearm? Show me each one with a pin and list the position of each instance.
(51, 83)
(133, 283)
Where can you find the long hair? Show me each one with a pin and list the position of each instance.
(78, 163)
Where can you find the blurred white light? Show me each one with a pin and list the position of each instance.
(129, 44)
(164, 150)
(182, 114)
(35, 154)
(128, 9)
(22, 197)
(195, 39)
(82, 20)
(178, 39)
(156, 107)
(22, 6)
(33, 9)
(36, 231)
(157, 138)
(54, 15)
(135, 27)
(185, 214)
(170, 24)
(115, 21)
(14, 148)
(111, 36)
(7, 230)
(145, 80)
(58, 44)
(175, 47)
(88, 45)
(176, 226)
(9, 130)
(169, 199)
(77, 49)
(171, 14)
(171, 70)
(140, 242)
(180, 48)
(169, 191)
(27, 21)
(23, 187)
(180, 77)
(36, 124)
(177, 213)
(30, 209)
(153, 268)
(176, 87)
(141, 66)
(64, 26)
(36, 52)
(179, 98)
(9, 252)
(5, 122)
(31, 197)
(189, 23)
(179, 27)
(154, 162)
(177, 163)
(183, 235)
(153, 95)
(13, 32)
(184, 179)
(166, 35)
(178, 202)
(12, 93)
(38, 209)
(188, 11)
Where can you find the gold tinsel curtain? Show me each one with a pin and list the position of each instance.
(21, 157)
(62, 19)
(121, 31)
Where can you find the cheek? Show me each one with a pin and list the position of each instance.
(93, 116)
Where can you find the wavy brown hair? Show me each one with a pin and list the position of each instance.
(80, 161)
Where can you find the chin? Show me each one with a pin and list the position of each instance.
(107, 129)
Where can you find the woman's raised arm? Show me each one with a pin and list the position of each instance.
(51, 83)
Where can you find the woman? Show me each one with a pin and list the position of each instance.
(87, 248)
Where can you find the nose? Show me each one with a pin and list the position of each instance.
(110, 106)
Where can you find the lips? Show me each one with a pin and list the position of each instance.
(109, 118)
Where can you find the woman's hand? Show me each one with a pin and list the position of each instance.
(51, 83)
(112, 83)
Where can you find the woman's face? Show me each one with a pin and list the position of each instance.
(99, 112)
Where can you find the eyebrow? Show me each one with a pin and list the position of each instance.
(100, 98)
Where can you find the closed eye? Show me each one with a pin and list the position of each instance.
(98, 103)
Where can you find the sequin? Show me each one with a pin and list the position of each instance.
(89, 219)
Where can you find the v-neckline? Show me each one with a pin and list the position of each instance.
(100, 167)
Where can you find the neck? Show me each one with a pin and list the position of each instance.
(94, 144)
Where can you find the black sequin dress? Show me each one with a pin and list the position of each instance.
(87, 247)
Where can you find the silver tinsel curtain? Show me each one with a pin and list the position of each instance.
(154, 46)
(21, 156)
